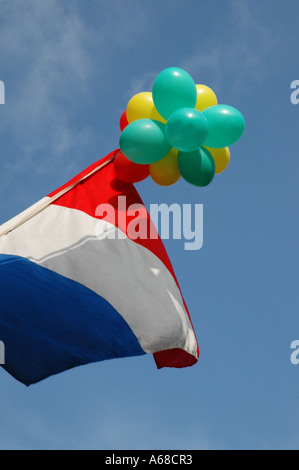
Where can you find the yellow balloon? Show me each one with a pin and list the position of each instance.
(166, 172)
(205, 98)
(141, 106)
(221, 158)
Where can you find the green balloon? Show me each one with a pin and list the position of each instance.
(198, 167)
(226, 125)
(173, 89)
(143, 141)
(186, 129)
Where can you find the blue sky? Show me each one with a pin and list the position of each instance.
(69, 69)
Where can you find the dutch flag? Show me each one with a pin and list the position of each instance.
(76, 288)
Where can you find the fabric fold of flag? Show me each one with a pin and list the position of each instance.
(78, 287)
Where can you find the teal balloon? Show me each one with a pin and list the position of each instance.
(173, 89)
(186, 129)
(226, 126)
(197, 167)
(144, 141)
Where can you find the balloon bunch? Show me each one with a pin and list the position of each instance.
(178, 129)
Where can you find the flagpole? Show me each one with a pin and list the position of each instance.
(22, 218)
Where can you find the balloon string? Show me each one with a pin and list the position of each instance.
(37, 208)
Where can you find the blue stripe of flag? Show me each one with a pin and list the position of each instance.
(50, 324)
